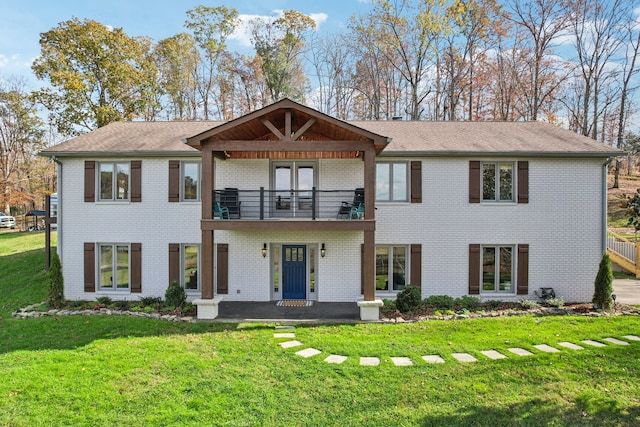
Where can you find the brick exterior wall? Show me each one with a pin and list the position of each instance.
(561, 224)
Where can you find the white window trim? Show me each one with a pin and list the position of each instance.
(497, 291)
(391, 200)
(198, 163)
(114, 183)
(182, 268)
(514, 183)
(114, 266)
(407, 280)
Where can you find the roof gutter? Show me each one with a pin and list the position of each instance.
(531, 154)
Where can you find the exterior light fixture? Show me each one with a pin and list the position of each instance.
(264, 250)
(323, 251)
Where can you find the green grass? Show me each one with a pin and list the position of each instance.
(98, 371)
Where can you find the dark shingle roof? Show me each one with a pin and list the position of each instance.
(408, 138)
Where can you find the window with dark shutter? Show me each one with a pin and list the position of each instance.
(416, 182)
(523, 182)
(474, 181)
(89, 267)
(136, 267)
(416, 266)
(174, 181)
(174, 263)
(223, 268)
(136, 181)
(523, 270)
(474, 269)
(89, 181)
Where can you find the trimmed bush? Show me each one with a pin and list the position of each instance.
(409, 299)
(56, 283)
(441, 302)
(468, 302)
(175, 295)
(555, 302)
(528, 304)
(604, 284)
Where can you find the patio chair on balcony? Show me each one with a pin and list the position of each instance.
(356, 211)
(346, 207)
(230, 200)
(220, 212)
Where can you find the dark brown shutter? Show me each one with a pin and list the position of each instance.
(523, 270)
(223, 268)
(89, 181)
(174, 263)
(523, 182)
(416, 182)
(362, 268)
(136, 267)
(174, 180)
(416, 266)
(474, 181)
(89, 267)
(136, 181)
(474, 269)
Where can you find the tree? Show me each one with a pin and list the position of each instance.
(279, 42)
(21, 136)
(177, 59)
(211, 27)
(56, 283)
(604, 284)
(97, 75)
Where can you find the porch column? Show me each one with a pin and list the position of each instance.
(207, 304)
(370, 307)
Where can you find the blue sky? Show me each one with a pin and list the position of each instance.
(22, 21)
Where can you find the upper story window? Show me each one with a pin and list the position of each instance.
(497, 182)
(114, 180)
(392, 182)
(190, 182)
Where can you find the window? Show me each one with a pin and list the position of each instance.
(190, 267)
(497, 269)
(497, 182)
(391, 268)
(114, 266)
(114, 181)
(190, 181)
(391, 182)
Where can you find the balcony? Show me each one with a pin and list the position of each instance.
(288, 209)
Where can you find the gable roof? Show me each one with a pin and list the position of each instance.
(408, 138)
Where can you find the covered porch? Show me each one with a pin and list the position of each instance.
(287, 131)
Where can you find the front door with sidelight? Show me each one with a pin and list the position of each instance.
(294, 272)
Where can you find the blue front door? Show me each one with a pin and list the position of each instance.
(294, 272)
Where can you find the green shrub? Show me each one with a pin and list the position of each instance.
(441, 302)
(104, 300)
(175, 295)
(468, 303)
(555, 302)
(604, 284)
(409, 299)
(388, 306)
(149, 309)
(149, 301)
(492, 304)
(528, 304)
(56, 283)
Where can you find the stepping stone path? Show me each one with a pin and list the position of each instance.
(520, 351)
(434, 358)
(546, 348)
(570, 345)
(464, 357)
(493, 355)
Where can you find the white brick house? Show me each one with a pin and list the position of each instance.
(288, 203)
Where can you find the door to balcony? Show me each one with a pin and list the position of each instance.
(294, 272)
(293, 183)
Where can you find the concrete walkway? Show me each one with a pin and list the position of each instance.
(627, 291)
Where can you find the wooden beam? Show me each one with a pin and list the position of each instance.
(273, 129)
(368, 265)
(289, 145)
(287, 125)
(304, 128)
(285, 225)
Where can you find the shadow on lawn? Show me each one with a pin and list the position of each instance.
(587, 411)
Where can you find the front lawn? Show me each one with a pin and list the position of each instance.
(133, 371)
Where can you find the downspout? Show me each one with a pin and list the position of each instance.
(58, 222)
(604, 203)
